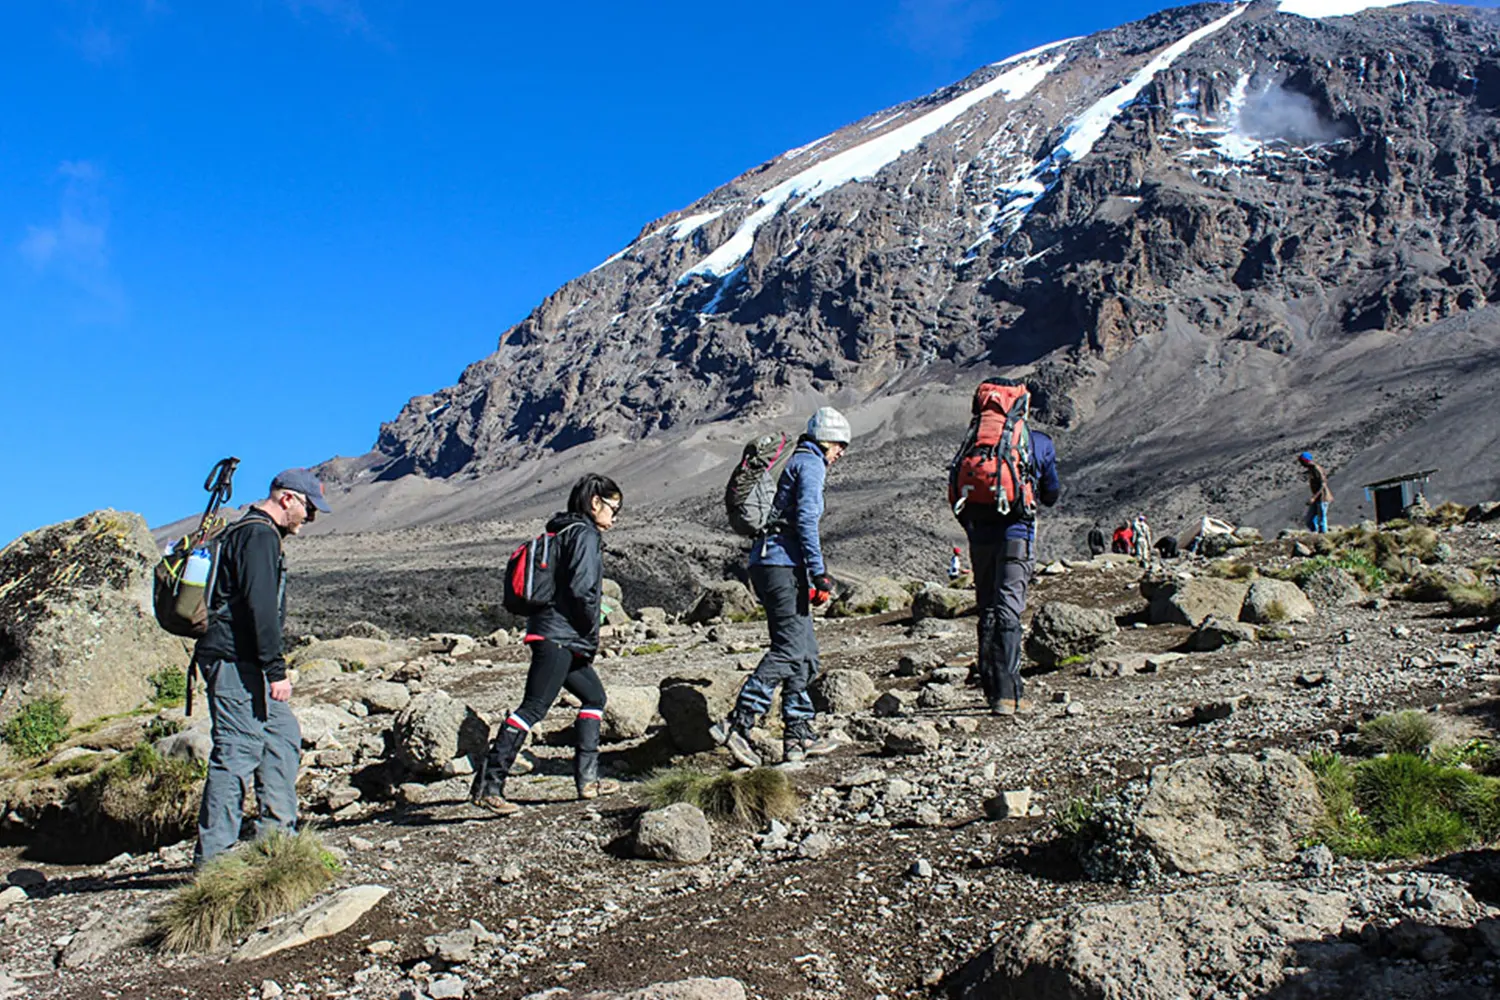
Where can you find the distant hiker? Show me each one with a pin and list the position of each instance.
(1322, 496)
(1096, 540)
(1140, 536)
(1123, 540)
(956, 564)
(1166, 547)
(994, 482)
(789, 577)
(255, 735)
(564, 638)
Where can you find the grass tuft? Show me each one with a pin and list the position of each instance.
(1403, 806)
(750, 798)
(1230, 569)
(647, 649)
(239, 891)
(1277, 612)
(1408, 732)
(37, 727)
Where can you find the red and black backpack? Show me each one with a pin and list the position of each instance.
(994, 465)
(531, 573)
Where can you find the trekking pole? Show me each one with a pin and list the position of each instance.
(220, 487)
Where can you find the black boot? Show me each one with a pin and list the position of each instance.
(488, 788)
(586, 761)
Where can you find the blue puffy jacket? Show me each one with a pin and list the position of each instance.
(799, 506)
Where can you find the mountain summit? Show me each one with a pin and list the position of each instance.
(1240, 215)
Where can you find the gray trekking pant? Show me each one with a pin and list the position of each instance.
(254, 738)
(792, 660)
(1002, 575)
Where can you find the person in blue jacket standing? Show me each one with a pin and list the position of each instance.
(789, 577)
(1002, 548)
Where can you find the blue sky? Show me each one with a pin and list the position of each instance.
(256, 227)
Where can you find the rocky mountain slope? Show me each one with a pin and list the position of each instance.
(1214, 237)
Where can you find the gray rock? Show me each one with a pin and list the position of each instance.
(815, 845)
(433, 729)
(629, 710)
(1062, 631)
(911, 738)
(842, 691)
(1189, 602)
(320, 723)
(353, 653)
(320, 920)
(385, 696)
(446, 988)
(1229, 812)
(364, 630)
(939, 696)
(652, 615)
(106, 932)
(690, 704)
(1332, 587)
(685, 989)
(1094, 951)
(75, 614)
(1271, 602)
(1216, 633)
(876, 595)
(721, 600)
(933, 601)
(190, 744)
(678, 832)
(10, 896)
(1316, 860)
(1008, 805)
(889, 705)
(917, 663)
(313, 672)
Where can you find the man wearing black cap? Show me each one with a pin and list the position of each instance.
(240, 657)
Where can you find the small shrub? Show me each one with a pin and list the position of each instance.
(160, 729)
(841, 609)
(352, 666)
(1074, 660)
(241, 890)
(1448, 514)
(143, 799)
(1231, 569)
(647, 650)
(37, 727)
(750, 798)
(168, 687)
(1357, 564)
(1475, 754)
(1407, 732)
(1474, 601)
(1277, 612)
(758, 614)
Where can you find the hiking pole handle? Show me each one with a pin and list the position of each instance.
(220, 487)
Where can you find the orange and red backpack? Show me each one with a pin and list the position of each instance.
(993, 467)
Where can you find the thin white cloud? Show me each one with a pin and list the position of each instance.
(75, 245)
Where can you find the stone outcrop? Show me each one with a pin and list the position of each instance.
(435, 728)
(1269, 602)
(1062, 631)
(75, 616)
(1189, 602)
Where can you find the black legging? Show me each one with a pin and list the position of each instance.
(553, 668)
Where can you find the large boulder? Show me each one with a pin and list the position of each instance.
(1062, 631)
(1229, 812)
(721, 599)
(629, 710)
(843, 692)
(1271, 601)
(875, 595)
(76, 620)
(689, 705)
(933, 601)
(1332, 586)
(435, 728)
(1189, 602)
(1231, 940)
(678, 832)
(321, 723)
(1216, 633)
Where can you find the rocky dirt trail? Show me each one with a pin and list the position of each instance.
(906, 872)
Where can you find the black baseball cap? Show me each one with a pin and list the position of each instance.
(303, 481)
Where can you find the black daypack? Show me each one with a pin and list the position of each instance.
(750, 496)
(531, 573)
(179, 594)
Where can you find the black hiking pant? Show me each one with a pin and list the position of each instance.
(1002, 576)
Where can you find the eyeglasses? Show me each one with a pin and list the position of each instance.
(613, 505)
(307, 506)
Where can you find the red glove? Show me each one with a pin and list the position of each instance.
(821, 590)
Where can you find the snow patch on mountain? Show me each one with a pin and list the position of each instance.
(1336, 8)
(865, 160)
(1089, 127)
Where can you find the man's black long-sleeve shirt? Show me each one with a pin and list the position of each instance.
(248, 605)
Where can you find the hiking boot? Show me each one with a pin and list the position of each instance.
(741, 750)
(719, 731)
(497, 804)
(808, 746)
(1011, 706)
(594, 789)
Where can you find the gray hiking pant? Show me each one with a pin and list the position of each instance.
(254, 738)
(792, 660)
(1002, 575)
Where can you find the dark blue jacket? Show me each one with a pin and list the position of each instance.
(798, 508)
(986, 525)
